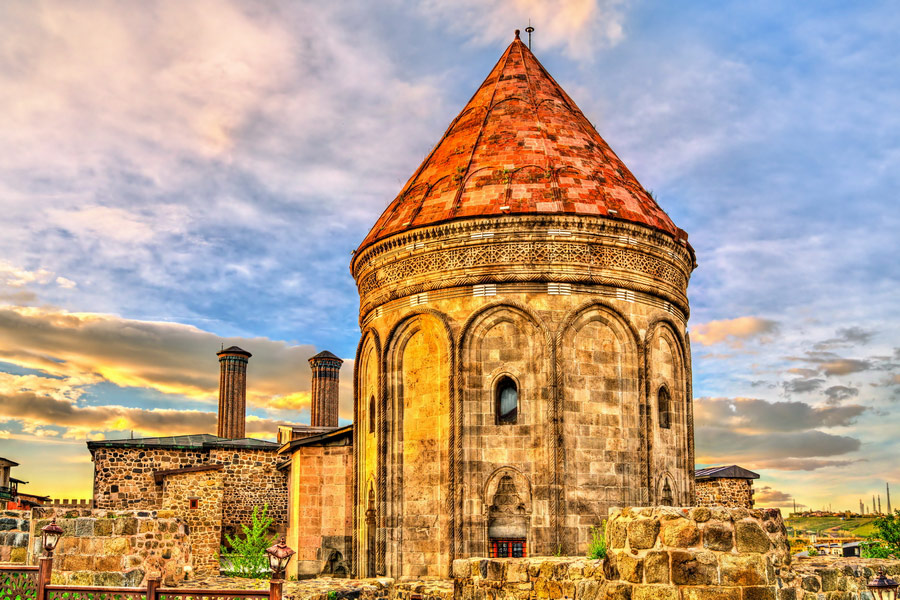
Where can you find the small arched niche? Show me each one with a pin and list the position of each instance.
(508, 508)
(506, 401)
(372, 414)
(666, 491)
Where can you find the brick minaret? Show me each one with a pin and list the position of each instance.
(326, 373)
(232, 392)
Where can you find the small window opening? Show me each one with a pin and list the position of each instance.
(507, 402)
(372, 414)
(193, 503)
(508, 548)
(664, 405)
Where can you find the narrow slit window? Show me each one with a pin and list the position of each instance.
(507, 401)
(372, 414)
(664, 403)
(193, 503)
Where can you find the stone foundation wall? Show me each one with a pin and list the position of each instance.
(14, 535)
(732, 493)
(114, 548)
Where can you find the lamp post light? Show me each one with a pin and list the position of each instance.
(883, 587)
(279, 557)
(50, 535)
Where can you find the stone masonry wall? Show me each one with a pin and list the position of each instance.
(14, 535)
(733, 493)
(251, 479)
(123, 479)
(204, 520)
(114, 548)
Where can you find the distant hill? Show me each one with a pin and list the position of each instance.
(852, 526)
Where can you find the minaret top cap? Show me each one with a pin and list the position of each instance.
(234, 350)
(326, 355)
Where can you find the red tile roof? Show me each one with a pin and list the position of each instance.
(520, 146)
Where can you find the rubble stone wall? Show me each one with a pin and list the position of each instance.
(196, 499)
(251, 479)
(114, 548)
(733, 493)
(14, 535)
(123, 479)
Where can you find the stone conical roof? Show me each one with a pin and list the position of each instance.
(520, 146)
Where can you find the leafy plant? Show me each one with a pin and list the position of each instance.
(597, 545)
(248, 553)
(874, 549)
(888, 527)
(332, 595)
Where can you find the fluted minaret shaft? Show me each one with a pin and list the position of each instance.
(232, 392)
(326, 374)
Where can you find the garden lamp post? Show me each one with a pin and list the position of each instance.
(883, 587)
(50, 535)
(279, 557)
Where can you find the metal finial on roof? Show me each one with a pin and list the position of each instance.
(529, 30)
(517, 34)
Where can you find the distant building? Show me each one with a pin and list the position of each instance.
(11, 497)
(730, 486)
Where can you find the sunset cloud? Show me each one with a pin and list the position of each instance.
(733, 332)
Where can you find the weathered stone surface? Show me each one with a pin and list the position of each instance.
(631, 568)
(759, 593)
(680, 533)
(711, 593)
(656, 567)
(810, 584)
(617, 591)
(750, 537)
(701, 514)
(642, 533)
(743, 570)
(718, 536)
(694, 568)
(616, 533)
(655, 592)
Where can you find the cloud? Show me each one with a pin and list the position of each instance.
(578, 27)
(848, 336)
(734, 332)
(801, 385)
(39, 412)
(79, 349)
(831, 364)
(838, 393)
(768, 495)
(752, 415)
(779, 450)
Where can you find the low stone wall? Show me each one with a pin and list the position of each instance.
(14, 535)
(833, 578)
(698, 552)
(114, 548)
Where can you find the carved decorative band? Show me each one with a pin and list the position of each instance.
(586, 255)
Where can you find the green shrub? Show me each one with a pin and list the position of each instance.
(248, 554)
(597, 545)
(872, 548)
(888, 527)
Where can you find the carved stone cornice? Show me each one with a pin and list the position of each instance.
(551, 248)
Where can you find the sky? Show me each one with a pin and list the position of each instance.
(179, 175)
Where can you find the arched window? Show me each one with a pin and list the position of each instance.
(664, 404)
(506, 401)
(372, 414)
